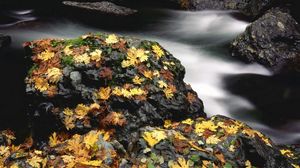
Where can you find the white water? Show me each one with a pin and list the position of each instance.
(188, 36)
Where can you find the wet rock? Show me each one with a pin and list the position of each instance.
(252, 8)
(273, 40)
(212, 142)
(4, 40)
(106, 81)
(102, 7)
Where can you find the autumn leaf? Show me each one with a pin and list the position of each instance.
(96, 55)
(167, 123)
(35, 161)
(46, 55)
(286, 152)
(53, 140)
(54, 75)
(96, 163)
(148, 74)
(154, 137)
(137, 80)
(111, 39)
(81, 110)
(67, 50)
(162, 84)
(213, 139)
(181, 163)
(104, 93)
(191, 97)
(158, 51)
(41, 84)
(90, 139)
(187, 121)
(68, 112)
(106, 72)
(169, 91)
(205, 125)
(84, 58)
(114, 118)
(69, 122)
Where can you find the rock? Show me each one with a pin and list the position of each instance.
(275, 95)
(273, 40)
(212, 142)
(4, 40)
(251, 8)
(105, 81)
(103, 7)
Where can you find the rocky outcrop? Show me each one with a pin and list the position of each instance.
(104, 7)
(213, 142)
(4, 40)
(251, 8)
(105, 81)
(272, 40)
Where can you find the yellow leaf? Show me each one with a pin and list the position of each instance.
(137, 80)
(181, 163)
(85, 59)
(148, 74)
(53, 140)
(96, 55)
(46, 55)
(67, 50)
(248, 164)
(187, 121)
(213, 139)
(162, 84)
(167, 123)
(81, 110)
(286, 152)
(68, 112)
(35, 161)
(104, 93)
(158, 51)
(69, 122)
(111, 39)
(54, 75)
(154, 137)
(41, 84)
(205, 125)
(96, 163)
(90, 139)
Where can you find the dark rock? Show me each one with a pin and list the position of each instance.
(276, 95)
(102, 7)
(4, 40)
(106, 81)
(251, 8)
(273, 40)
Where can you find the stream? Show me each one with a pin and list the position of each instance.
(200, 40)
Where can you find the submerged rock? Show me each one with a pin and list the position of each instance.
(103, 7)
(4, 40)
(214, 142)
(106, 81)
(273, 40)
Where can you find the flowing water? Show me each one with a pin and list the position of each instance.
(199, 39)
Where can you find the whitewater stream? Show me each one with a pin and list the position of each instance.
(200, 40)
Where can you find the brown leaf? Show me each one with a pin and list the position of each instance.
(191, 97)
(167, 75)
(106, 72)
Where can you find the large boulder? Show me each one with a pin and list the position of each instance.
(4, 40)
(273, 40)
(251, 8)
(213, 142)
(105, 81)
(104, 7)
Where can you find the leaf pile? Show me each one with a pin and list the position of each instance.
(107, 81)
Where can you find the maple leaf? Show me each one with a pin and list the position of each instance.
(187, 121)
(53, 140)
(126, 63)
(117, 91)
(111, 39)
(106, 72)
(41, 84)
(167, 123)
(35, 161)
(67, 50)
(81, 110)
(74, 144)
(84, 58)
(248, 164)
(137, 92)
(104, 93)
(96, 55)
(213, 139)
(137, 80)
(205, 125)
(181, 163)
(158, 51)
(68, 112)
(169, 91)
(46, 55)
(90, 139)
(162, 84)
(114, 118)
(92, 163)
(154, 137)
(167, 75)
(54, 75)
(191, 97)
(148, 74)
(286, 152)
(141, 54)
(69, 122)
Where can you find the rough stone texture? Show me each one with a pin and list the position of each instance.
(252, 8)
(105, 81)
(103, 7)
(4, 40)
(213, 142)
(273, 40)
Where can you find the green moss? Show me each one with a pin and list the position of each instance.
(67, 60)
(34, 67)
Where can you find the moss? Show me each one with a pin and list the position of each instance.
(67, 60)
